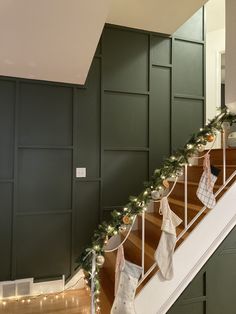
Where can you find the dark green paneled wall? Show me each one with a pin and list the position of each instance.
(129, 116)
(212, 291)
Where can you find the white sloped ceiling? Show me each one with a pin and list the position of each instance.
(51, 40)
(55, 40)
(164, 16)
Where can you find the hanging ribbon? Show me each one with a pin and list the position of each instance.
(207, 169)
(93, 310)
(120, 264)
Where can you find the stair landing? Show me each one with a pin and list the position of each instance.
(68, 302)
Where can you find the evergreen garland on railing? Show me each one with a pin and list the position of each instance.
(172, 167)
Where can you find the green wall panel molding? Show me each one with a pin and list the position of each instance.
(6, 191)
(43, 246)
(7, 100)
(89, 122)
(161, 50)
(119, 126)
(44, 179)
(192, 112)
(124, 174)
(45, 115)
(212, 291)
(87, 213)
(160, 114)
(125, 120)
(125, 55)
(193, 29)
(189, 68)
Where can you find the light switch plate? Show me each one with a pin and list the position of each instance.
(80, 172)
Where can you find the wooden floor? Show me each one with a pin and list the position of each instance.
(70, 302)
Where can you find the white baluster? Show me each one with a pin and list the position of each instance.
(143, 242)
(224, 155)
(185, 196)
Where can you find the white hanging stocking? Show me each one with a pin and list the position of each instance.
(206, 183)
(127, 275)
(166, 246)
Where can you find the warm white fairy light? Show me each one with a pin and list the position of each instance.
(96, 247)
(110, 228)
(190, 146)
(163, 177)
(145, 192)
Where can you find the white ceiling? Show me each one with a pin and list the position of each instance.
(164, 16)
(215, 13)
(51, 40)
(55, 40)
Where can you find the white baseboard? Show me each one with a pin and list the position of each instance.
(44, 287)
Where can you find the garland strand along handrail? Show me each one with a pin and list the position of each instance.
(190, 224)
(209, 150)
(172, 167)
(126, 237)
(171, 190)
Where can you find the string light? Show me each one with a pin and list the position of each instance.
(171, 167)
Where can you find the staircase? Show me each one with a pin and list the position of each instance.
(153, 221)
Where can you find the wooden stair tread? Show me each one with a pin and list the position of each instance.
(181, 203)
(136, 238)
(153, 218)
(215, 165)
(216, 186)
(153, 221)
(219, 149)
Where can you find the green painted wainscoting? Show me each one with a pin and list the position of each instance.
(143, 97)
(212, 291)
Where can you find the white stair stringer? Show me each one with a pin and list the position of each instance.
(158, 296)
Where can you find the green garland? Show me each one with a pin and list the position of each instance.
(172, 167)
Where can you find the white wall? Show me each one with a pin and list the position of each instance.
(164, 16)
(50, 40)
(230, 79)
(215, 44)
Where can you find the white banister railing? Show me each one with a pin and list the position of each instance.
(188, 225)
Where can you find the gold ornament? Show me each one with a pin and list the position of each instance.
(210, 138)
(100, 260)
(122, 228)
(165, 184)
(126, 220)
